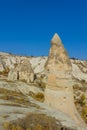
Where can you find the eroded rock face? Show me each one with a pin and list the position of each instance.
(58, 64)
(59, 88)
(58, 93)
(58, 58)
(23, 72)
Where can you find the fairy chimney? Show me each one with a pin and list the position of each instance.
(23, 72)
(58, 65)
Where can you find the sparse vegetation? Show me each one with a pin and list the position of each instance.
(6, 125)
(81, 100)
(39, 82)
(9, 126)
(84, 113)
(38, 96)
(17, 98)
(22, 104)
(34, 122)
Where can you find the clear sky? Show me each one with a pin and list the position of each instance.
(27, 26)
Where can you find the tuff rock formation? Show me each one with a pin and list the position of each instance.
(59, 86)
(22, 71)
(58, 59)
(50, 94)
(58, 64)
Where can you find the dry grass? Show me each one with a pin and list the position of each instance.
(14, 96)
(6, 125)
(16, 99)
(5, 116)
(6, 91)
(81, 100)
(34, 122)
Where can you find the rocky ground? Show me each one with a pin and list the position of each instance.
(20, 111)
(43, 93)
(21, 102)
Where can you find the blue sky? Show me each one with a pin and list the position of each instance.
(27, 26)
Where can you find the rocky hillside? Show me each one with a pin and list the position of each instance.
(43, 93)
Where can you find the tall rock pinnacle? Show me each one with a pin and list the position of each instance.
(56, 39)
(58, 58)
(58, 65)
(59, 87)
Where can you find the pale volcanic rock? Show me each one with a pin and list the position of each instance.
(59, 86)
(58, 58)
(38, 64)
(58, 65)
(1, 67)
(56, 73)
(23, 72)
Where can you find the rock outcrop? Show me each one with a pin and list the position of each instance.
(59, 88)
(22, 71)
(58, 64)
(58, 58)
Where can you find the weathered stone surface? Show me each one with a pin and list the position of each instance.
(58, 76)
(18, 105)
(23, 72)
(58, 59)
(58, 64)
(12, 75)
(59, 88)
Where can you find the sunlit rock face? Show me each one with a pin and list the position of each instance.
(22, 71)
(58, 59)
(58, 64)
(59, 87)
(52, 81)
